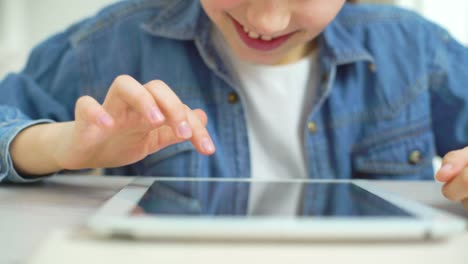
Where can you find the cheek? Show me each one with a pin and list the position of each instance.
(221, 5)
(216, 9)
(317, 16)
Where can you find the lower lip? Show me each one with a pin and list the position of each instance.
(259, 44)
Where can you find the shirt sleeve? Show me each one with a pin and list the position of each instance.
(13, 123)
(449, 91)
(45, 91)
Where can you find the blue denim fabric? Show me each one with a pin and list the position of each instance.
(392, 83)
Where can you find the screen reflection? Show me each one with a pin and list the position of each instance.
(220, 198)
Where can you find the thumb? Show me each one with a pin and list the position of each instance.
(452, 164)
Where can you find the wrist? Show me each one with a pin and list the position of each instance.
(33, 149)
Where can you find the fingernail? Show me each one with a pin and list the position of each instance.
(184, 130)
(207, 145)
(446, 168)
(105, 119)
(156, 115)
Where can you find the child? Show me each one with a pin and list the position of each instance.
(262, 88)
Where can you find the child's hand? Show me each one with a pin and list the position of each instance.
(454, 173)
(134, 121)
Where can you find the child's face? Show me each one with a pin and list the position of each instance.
(271, 31)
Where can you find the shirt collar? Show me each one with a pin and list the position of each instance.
(340, 47)
(177, 19)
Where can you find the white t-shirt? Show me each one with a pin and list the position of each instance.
(277, 100)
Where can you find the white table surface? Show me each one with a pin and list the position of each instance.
(42, 223)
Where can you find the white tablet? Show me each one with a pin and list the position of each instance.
(168, 208)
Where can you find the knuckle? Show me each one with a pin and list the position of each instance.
(204, 117)
(195, 119)
(83, 101)
(201, 132)
(198, 129)
(161, 90)
(200, 116)
(157, 84)
(177, 112)
(85, 105)
(122, 79)
(126, 86)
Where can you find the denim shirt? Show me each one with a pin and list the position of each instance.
(392, 94)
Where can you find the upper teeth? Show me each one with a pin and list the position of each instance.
(255, 35)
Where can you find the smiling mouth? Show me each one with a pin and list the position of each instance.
(257, 41)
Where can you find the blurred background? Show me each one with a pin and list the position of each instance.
(24, 23)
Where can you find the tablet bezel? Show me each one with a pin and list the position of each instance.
(114, 219)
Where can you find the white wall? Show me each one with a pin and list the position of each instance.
(24, 23)
(451, 14)
(44, 19)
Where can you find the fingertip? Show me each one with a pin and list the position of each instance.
(207, 146)
(440, 178)
(445, 173)
(208, 153)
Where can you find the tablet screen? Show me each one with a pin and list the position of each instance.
(279, 199)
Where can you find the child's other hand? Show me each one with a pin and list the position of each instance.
(454, 173)
(134, 121)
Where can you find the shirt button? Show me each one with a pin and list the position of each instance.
(372, 67)
(233, 98)
(415, 157)
(312, 127)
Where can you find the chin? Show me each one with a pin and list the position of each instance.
(278, 56)
(256, 58)
(264, 61)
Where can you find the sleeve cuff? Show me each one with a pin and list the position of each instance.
(7, 169)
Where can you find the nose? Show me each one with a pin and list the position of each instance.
(268, 17)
